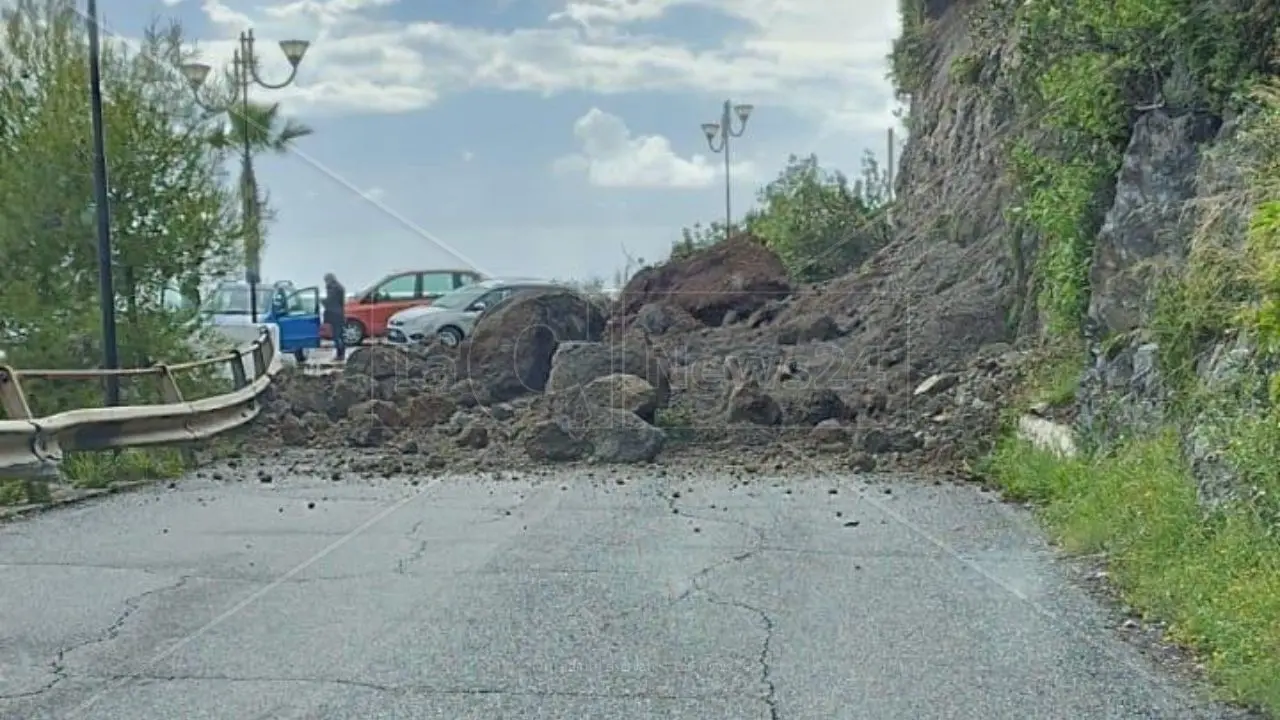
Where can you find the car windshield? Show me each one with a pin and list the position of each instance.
(234, 300)
(460, 298)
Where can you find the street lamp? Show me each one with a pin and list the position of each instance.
(106, 288)
(722, 131)
(245, 74)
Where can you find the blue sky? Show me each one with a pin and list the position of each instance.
(536, 137)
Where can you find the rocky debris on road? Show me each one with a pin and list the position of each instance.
(753, 374)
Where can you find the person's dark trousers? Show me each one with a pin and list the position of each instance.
(339, 344)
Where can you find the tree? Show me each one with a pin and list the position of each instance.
(263, 129)
(173, 220)
(819, 223)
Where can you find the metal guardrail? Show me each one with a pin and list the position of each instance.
(34, 446)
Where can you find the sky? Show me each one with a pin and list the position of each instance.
(550, 138)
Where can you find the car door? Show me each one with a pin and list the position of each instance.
(299, 321)
(394, 294)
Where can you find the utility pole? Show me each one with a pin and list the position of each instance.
(106, 288)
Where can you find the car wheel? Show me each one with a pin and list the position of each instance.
(353, 333)
(450, 336)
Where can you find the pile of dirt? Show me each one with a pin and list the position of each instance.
(753, 374)
(714, 285)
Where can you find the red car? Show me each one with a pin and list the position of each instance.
(367, 312)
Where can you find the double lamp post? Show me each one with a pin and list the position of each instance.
(244, 74)
(718, 136)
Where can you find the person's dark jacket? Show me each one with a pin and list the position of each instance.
(335, 298)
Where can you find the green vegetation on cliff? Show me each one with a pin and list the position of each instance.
(1086, 72)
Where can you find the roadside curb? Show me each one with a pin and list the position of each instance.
(72, 496)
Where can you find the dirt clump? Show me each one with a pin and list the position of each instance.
(733, 278)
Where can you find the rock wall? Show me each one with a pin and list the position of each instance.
(961, 264)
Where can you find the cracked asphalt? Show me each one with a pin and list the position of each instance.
(637, 594)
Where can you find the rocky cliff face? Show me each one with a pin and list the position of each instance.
(966, 271)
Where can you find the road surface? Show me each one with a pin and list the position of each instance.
(644, 595)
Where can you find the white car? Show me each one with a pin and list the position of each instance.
(452, 317)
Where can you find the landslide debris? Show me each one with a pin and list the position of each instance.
(767, 375)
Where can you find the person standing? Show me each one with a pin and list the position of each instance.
(335, 298)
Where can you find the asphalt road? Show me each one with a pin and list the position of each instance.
(570, 597)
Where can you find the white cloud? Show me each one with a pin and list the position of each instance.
(819, 57)
(611, 157)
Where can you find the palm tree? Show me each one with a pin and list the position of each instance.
(260, 127)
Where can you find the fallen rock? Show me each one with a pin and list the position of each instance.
(830, 432)
(509, 352)
(625, 438)
(346, 393)
(810, 406)
(386, 412)
(935, 384)
(739, 274)
(660, 318)
(818, 328)
(862, 462)
(747, 403)
(879, 441)
(367, 431)
(474, 436)
(576, 364)
(380, 362)
(551, 440)
(622, 391)
(292, 431)
(430, 410)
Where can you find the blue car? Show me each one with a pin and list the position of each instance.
(296, 313)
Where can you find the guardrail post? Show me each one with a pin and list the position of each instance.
(237, 369)
(169, 389)
(12, 398)
(259, 360)
(172, 395)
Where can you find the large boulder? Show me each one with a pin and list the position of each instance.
(577, 364)
(509, 352)
(624, 438)
(738, 275)
(555, 441)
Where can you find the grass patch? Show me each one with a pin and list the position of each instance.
(1214, 578)
(677, 423)
(23, 492)
(101, 469)
(1053, 376)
